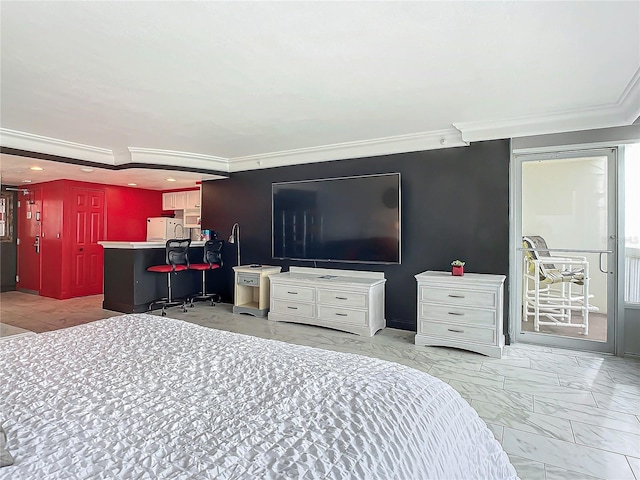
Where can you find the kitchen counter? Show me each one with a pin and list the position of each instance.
(130, 288)
(135, 245)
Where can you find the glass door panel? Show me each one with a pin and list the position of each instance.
(632, 226)
(567, 228)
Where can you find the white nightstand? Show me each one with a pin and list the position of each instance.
(252, 289)
(463, 312)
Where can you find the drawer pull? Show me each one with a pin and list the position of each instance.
(292, 293)
(455, 313)
(455, 330)
(342, 298)
(456, 296)
(341, 314)
(292, 308)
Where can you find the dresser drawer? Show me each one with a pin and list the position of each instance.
(292, 308)
(458, 332)
(249, 279)
(293, 293)
(456, 314)
(342, 315)
(452, 296)
(347, 299)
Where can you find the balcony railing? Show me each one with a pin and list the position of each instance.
(632, 275)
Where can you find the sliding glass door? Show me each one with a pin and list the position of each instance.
(566, 219)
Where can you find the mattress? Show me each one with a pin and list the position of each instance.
(148, 397)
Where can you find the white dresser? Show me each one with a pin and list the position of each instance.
(346, 300)
(462, 312)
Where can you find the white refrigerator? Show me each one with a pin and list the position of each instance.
(161, 229)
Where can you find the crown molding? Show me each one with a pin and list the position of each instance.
(341, 151)
(621, 113)
(153, 156)
(629, 101)
(28, 142)
(53, 146)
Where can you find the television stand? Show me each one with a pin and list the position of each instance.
(347, 300)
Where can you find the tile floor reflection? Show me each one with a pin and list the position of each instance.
(559, 414)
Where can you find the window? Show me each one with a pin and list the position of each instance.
(632, 224)
(6, 217)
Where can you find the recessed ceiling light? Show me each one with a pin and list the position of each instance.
(26, 181)
(171, 179)
(36, 169)
(87, 169)
(132, 184)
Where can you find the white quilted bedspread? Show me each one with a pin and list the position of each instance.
(146, 397)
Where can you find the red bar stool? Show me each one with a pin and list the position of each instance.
(177, 260)
(212, 260)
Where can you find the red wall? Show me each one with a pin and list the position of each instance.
(52, 242)
(126, 212)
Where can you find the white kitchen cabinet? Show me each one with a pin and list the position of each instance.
(174, 200)
(192, 201)
(185, 200)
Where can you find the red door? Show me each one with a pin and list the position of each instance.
(87, 223)
(29, 231)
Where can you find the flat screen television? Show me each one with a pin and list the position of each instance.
(346, 219)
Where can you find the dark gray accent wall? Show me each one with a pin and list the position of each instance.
(455, 205)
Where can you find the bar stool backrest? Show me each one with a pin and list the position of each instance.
(178, 252)
(213, 252)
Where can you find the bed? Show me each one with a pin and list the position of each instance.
(148, 397)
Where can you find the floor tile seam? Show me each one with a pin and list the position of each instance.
(507, 389)
(610, 409)
(573, 433)
(554, 376)
(581, 374)
(586, 423)
(627, 382)
(595, 385)
(460, 370)
(627, 457)
(573, 444)
(532, 425)
(573, 388)
(569, 470)
(602, 449)
(613, 430)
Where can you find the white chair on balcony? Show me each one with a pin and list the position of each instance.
(555, 287)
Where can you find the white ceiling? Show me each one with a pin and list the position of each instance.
(16, 170)
(234, 86)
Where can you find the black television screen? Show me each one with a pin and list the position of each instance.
(347, 219)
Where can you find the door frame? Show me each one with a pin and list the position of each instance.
(615, 337)
(22, 204)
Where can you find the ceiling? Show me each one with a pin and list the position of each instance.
(231, 86)
(16, 170)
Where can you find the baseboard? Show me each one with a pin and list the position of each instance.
(410, 327)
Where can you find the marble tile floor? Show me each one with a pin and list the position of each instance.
(559, 414)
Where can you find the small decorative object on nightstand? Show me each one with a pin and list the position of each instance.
(457, 268)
